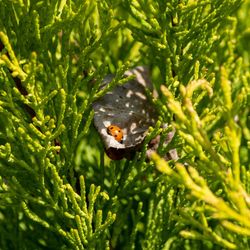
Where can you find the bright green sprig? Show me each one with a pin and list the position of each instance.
(46, 99)
(190, 121)
(109, 220)
(66, 236)
(85, 233)
(235, 228)
(89, 49)
(116, 81)
(87, 125)
(198, 187)
(98, 219)
(197, 236)
(232, 130)
(73, 198)
(12, 64)
(5, 151)
(83, 194)
(145, 25)
(37, 132)
(152, 133)
(33, 216)
(57, 132)
(74, 233)
(82, 230)
(5, 40)
(33, 145)
(92, 196)
(57, 183)
(62, 107)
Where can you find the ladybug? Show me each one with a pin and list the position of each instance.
(116, 132)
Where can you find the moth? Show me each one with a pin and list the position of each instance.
(126, 107)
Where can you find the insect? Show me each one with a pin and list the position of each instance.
(116, 132)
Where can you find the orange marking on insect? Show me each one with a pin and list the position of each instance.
(116, 132)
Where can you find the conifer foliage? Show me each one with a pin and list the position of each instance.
(59, 190)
